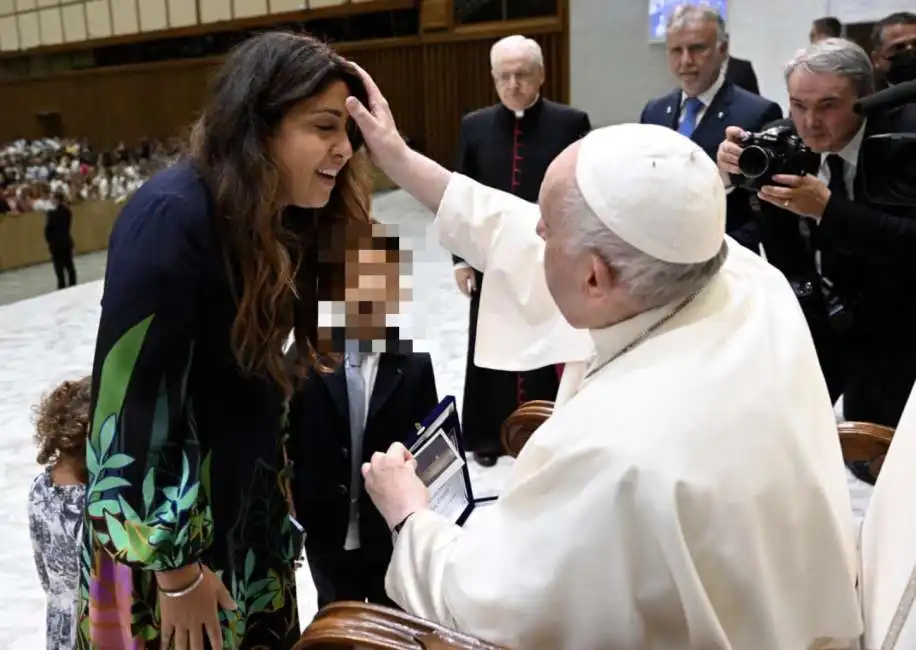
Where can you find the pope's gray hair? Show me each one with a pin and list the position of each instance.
(836, 56)
(527, 45)
(686, 15)
(650, 281)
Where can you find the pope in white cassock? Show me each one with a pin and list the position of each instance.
(689, 490)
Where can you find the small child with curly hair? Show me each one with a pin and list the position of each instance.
(56, 503)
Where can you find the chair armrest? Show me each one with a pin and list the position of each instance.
(363, 625)
(522, 423)
(864, 448)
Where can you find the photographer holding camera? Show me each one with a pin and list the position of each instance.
(856, 254)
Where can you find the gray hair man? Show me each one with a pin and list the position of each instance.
(865, 248)
(517, 66)
(655, 508)
(824, 81)
(706, 101)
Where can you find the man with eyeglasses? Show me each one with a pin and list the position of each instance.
(508, 146)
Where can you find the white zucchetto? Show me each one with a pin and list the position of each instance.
(655, 189)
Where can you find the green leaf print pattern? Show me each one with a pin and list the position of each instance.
(153, 513)
(175, 518)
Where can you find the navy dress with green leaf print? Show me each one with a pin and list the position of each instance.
(185, 454)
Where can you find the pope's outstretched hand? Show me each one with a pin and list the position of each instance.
(385, 144)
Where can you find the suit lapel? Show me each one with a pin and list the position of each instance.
(336, 383)
(390, 372)
(710, 131)
(672, 108)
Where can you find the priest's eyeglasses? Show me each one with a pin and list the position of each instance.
(520, 76)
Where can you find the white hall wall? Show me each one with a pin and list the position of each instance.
(614, 70)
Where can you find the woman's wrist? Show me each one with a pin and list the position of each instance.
(178, 579)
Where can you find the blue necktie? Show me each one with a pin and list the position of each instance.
(692, 108)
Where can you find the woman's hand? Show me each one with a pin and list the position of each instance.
(185, 618)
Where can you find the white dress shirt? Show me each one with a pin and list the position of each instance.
(850, 156)
(705, 97)
(369, 370)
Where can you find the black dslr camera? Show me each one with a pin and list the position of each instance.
(774, 151)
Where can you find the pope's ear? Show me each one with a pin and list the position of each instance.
(602, 276)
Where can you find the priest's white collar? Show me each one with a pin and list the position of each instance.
(520, 114)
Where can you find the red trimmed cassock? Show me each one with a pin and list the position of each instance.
(509, 151)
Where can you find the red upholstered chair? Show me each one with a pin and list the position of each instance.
(373, 627)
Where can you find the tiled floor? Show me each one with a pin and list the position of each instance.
(40, 279)
(45, 339)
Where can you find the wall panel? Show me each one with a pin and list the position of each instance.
(98, 19)
(51, 27)
(29, 30)
(249, 8)
(124, 18)
(153, 15)
(212, 11)
(74, 19)
(282, 6)
(182, 13)
(430, 85)
(7, 7)
(9, 33)
(48, 3)
(317, 4)
(26, 5)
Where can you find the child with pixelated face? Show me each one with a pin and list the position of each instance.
(374, 392)
(372, 292)
(56, 502)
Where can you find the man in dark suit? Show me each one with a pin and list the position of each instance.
(508, 146)
(706, 102)
(339, 418)
(740, 72)
(865, 250)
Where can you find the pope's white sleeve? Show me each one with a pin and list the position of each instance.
(564, 548)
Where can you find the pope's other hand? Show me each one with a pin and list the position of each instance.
(392, 482)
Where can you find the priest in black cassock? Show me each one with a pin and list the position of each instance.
(509, 146)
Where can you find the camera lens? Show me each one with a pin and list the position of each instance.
(754, 161)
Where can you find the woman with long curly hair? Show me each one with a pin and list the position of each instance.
(212, 264)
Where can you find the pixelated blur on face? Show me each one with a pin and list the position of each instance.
(372, 291)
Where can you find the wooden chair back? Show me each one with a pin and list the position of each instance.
(373, 627)
(523, 422)
(864, 447)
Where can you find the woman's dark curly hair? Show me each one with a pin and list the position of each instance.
(273, 265)
(62, 422)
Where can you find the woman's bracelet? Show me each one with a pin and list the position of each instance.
(178, 593)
